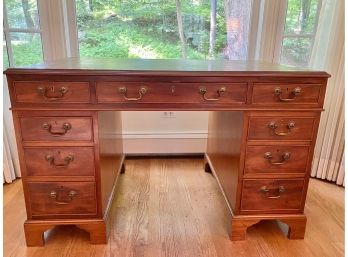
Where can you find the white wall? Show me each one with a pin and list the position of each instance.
(164, 132)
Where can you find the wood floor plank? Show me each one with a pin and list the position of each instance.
(171, 207)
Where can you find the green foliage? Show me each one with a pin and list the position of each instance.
(296, 20)
(27, 53)
(300, 20)
(296, 51)
(149, 29)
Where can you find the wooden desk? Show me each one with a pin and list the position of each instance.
(260, 144)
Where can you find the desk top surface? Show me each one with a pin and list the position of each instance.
(146, 66)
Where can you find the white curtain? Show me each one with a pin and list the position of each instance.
(10, 155)
(328, 55)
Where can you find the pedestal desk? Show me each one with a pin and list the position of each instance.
(262, 132)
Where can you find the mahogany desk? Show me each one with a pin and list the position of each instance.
(68, 129)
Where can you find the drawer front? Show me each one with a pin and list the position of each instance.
(122, 92)
(276, 159)
(272, 195)
(281, 128)
(62, 198)
(286, 93)
(51, 92)
(56, 128)
(64, 161)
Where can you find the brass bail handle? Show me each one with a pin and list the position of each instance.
(295, 92)
(65, 128)
(264, 190)
(220, 92)
(272, 125)
(285, 156)
(55, 195)
(43, 91)
(67, 160)
(123, 90)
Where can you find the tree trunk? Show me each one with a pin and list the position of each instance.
(90, 5)
(305, 9)
(237, 14)
(212, 36)
(181, 29)
(29, 21)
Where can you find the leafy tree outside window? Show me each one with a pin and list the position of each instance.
(299, 32)
(22, 34)
(160, 29)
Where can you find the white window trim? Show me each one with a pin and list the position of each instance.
(8, 30)
(267, 28)
(58, 31)
(311, 36)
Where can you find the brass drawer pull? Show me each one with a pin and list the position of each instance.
(265, 191)
(66, 127)
(272, 125)
(67, 160)
(123, 90)
(58, 95)
(295, 92)
(221, 91)
(285, 156)
(71, 195)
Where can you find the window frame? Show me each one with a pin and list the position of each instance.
(311, 36)
(7, 30)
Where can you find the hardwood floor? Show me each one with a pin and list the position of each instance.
(171, 207)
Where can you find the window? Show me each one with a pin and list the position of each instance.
(299, 32)
(163, 29)
(22, 34)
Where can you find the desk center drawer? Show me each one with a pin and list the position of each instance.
(56, 128)
(62, 161)
(132, 92)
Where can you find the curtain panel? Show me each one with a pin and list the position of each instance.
(11, 169)
(328, 55)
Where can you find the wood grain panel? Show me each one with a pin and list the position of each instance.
(108, 92)
(42, 203)
(111, 155)
(32, 128)
(253, 199)
(259, 128)
(263, 93)
(81, 164)
(27, 92)
(224, 150)
(256, 161)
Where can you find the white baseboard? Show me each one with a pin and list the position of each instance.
(162, 143)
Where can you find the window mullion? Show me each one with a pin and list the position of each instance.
(316, 22)
(24, 30)
(7, 37)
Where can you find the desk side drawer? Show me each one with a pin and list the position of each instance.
(276, 159)
(281, 128)
(118, 92)
(57, 198)
(61, 162)
(51, 92)
(285, 93)
(56, 128)
(272, 195)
